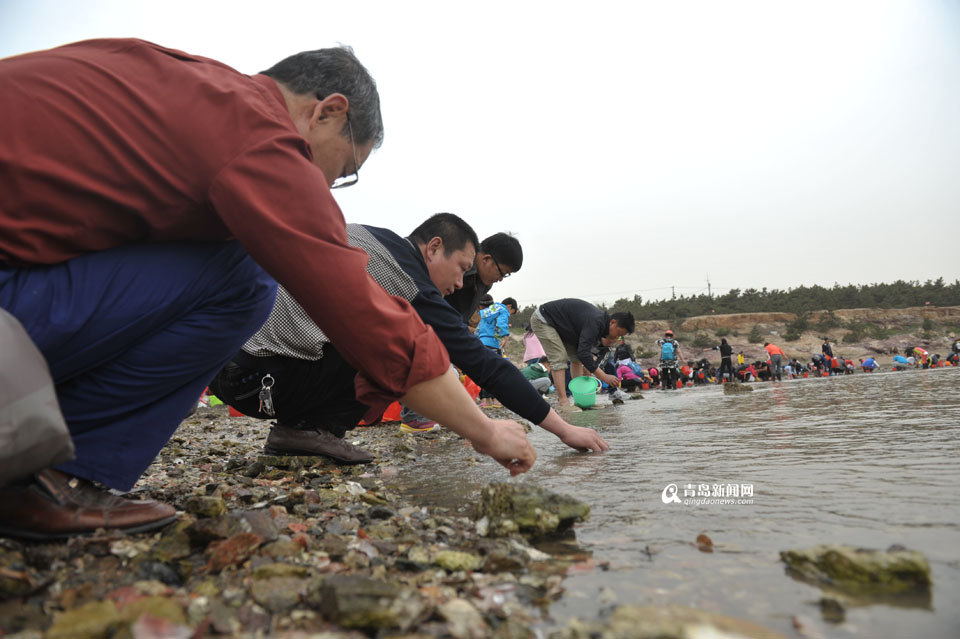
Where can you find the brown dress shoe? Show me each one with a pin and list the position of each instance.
(284, 440)
(54, 505)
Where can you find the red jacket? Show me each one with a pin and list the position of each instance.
(113, 142)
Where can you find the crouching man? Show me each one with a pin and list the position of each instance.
(572, 329)
(310, 388)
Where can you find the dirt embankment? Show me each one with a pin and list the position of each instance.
(906, 318)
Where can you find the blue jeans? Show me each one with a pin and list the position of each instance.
(132, 336)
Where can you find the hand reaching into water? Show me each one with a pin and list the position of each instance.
(608, 379)
(577, 437)
(509, 447)
(583, 439)
(444, 400)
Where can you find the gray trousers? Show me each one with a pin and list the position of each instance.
(542, 385)
(776, 367)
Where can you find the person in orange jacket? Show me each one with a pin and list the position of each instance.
(776, 360)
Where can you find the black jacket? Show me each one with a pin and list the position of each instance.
(466, 299)
(580, 324)
(492, 372)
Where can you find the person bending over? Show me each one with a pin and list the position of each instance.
(498, 257)
(629, 379)
(571, 330)
(538, 374)
(312, 386)
(776, 360)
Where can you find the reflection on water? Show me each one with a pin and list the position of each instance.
(866, 460)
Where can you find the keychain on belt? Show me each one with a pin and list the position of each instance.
(266, 400)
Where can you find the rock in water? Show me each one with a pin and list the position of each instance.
(529, 509)
(860, 571)
(832, 610)
(734, 388)
(665, 622)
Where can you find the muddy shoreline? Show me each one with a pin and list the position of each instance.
(281, 547)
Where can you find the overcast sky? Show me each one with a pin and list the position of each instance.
(630, 146)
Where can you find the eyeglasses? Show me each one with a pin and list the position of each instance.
(349, 180)
(503, 275)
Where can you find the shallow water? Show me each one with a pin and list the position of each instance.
(868, 460)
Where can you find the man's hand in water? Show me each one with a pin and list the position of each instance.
(578, 437)
(509, 446)
(444, 399)
(583, 439)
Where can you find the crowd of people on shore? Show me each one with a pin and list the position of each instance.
(671, 371)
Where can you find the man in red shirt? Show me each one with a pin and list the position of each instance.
(150, 201)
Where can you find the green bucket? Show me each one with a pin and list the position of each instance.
(584, 391)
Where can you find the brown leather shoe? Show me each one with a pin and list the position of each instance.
(284, 440)
(54, 505)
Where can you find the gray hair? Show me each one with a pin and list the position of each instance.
(336, 70)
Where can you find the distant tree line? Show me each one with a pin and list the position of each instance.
(799, 300)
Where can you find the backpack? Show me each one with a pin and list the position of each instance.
(667, 351)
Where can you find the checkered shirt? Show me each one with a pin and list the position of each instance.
(290, 332)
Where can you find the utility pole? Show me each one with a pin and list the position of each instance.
(709, 294)
(673, 294)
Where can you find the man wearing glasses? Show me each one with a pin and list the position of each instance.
(499, 257)
(150, 201)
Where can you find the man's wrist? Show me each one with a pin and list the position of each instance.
(482, 431)
(553, 423)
